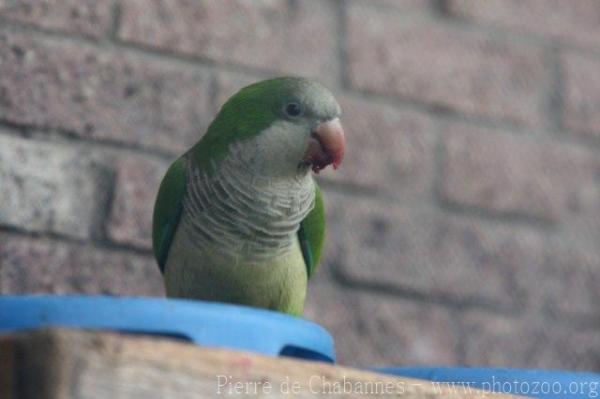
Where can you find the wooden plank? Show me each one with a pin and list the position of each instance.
(61, 364)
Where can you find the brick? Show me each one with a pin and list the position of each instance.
(575, 349)
(424, 61)
(381, 330)
(88, 17)
(137, 181)
(105, 95)
(470, 252)
(577, 21)
(582, 94)
(405, 333)
(426, 253)
(528, 342)
(566, 284)
(48, 187)
(43, 266)
(277, 35)
(516, 175)
(389, 150)
(502, 341)
(404, 5)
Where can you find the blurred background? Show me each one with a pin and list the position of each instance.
(464, 224)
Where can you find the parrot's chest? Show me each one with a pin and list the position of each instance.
(243, 217)
(237, 240)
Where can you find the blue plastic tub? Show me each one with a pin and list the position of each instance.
(544, 384)
(203, 323)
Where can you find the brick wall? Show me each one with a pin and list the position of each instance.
(463, 227)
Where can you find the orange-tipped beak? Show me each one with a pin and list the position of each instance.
(326, 145)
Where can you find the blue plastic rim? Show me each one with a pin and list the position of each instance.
(203, 323)
(544, 384)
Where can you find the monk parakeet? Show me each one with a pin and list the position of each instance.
(238, 217)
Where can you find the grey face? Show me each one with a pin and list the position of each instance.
(277, 152)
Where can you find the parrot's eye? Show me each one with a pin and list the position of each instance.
(293, 110)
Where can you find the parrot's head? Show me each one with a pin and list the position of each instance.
(283, 127)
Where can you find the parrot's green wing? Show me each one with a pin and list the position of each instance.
(312, 234)
(167, 210)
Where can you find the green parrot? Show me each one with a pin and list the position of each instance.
(239, 218)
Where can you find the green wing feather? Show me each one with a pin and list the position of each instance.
(312, 234)
(167, 210)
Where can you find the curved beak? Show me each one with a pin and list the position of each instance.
(326, 145)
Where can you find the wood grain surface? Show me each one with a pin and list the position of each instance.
(61, 364)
